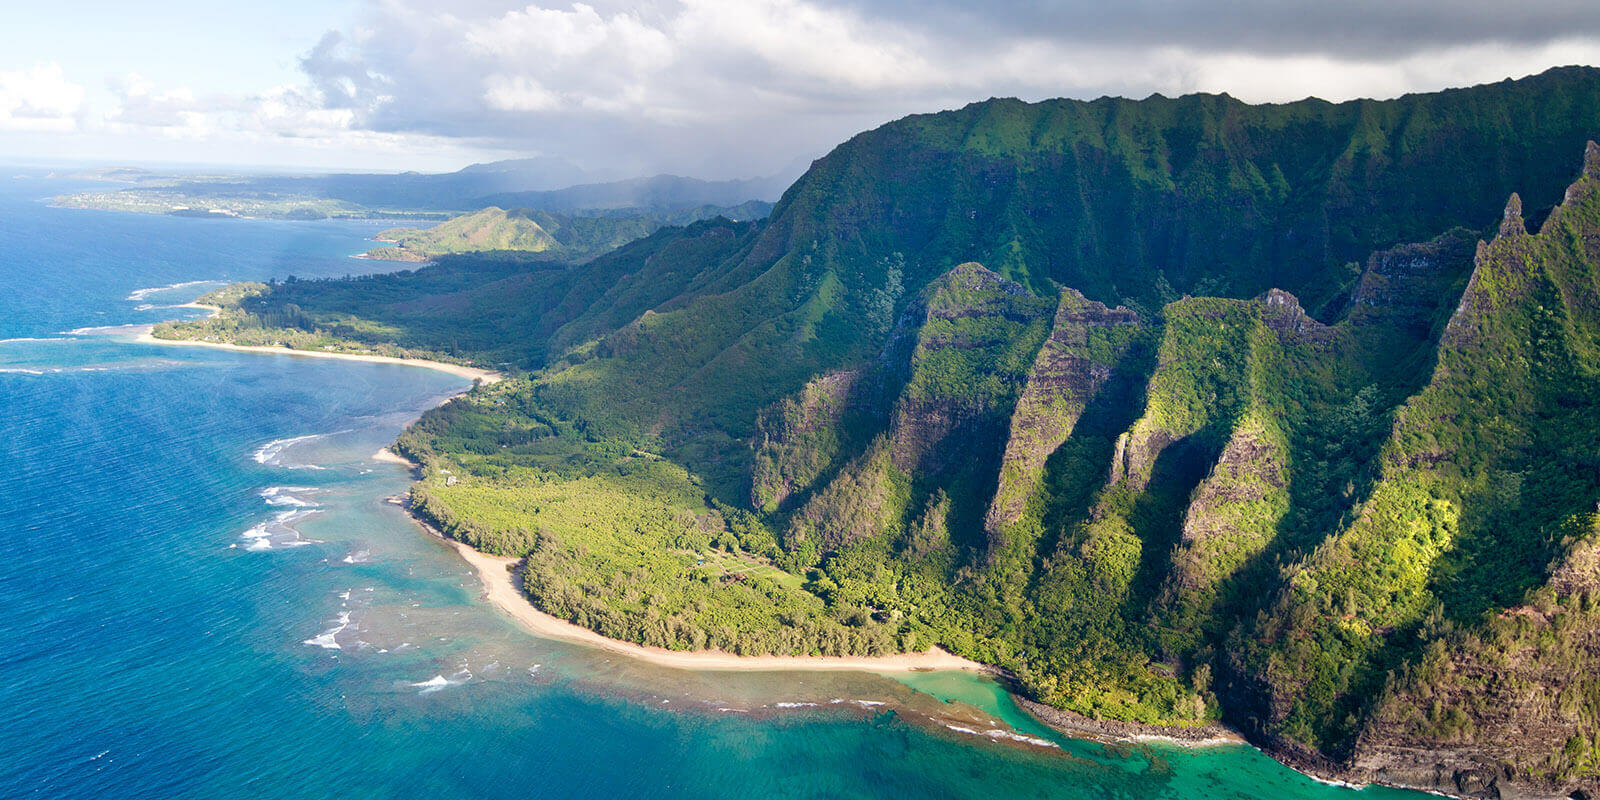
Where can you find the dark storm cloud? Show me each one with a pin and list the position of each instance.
(1357, 28)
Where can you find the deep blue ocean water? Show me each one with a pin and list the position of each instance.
(205, 595)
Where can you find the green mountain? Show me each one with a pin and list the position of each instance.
(1180, 410)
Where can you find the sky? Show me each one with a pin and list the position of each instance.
(709, 88)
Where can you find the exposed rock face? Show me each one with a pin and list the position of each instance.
(937, 411)
(1281, 312)
(1232, 515)
(1209, 347)
(959, 354)
(1064, 377)
(1405, 287)
(1513, 711)
(1511, 223)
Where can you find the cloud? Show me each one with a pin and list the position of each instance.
(1364, 30)
(741, 86)
(39, 99)
(726, 88)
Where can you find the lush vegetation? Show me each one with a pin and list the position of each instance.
(1115, 460)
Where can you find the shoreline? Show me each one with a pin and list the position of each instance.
(487, 376)
(498, 577)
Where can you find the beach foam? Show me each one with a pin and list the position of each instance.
(289, 496)
(998, 734)
(138, 295)
(108, 330)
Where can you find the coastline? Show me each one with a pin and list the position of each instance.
(472, 373)
(498, 576)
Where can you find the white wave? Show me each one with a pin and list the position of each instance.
(998, 734)
(869, 703)
(271, 453)
(439, 682)
(289, 496)
(278, 531)
(106, 330)
(432, 684)
(60, 370)
(39, 339)
(358, 557)
(140, 294)
(794, 705)
(328, 639)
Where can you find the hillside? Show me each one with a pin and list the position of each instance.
(557, 236)
(1181, 410)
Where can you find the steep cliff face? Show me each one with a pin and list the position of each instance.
(1086, 342)
(957, 359)
(1510, 708)
(1233, 515)
(1483, 471)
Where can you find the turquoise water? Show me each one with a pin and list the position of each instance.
(207, 597)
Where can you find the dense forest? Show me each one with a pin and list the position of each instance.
(1180, 410)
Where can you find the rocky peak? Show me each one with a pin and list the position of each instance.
(971, 277)
(1511, 224)
(1591, 160)
(1281, 312)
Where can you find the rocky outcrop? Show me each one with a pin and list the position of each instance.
(1407, 289)
(958, 356)
(1064, 377)
(1509, 711)
(1281, 312)
(1232, 515)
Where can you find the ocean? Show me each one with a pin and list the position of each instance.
(206, 595)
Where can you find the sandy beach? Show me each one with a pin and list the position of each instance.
(474, 373)
(498, 588)
(388, 456)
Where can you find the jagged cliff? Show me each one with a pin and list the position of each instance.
(1271, 531)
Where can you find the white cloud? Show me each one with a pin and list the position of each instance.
(518, 93)
(724, 88)
(39, 99)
